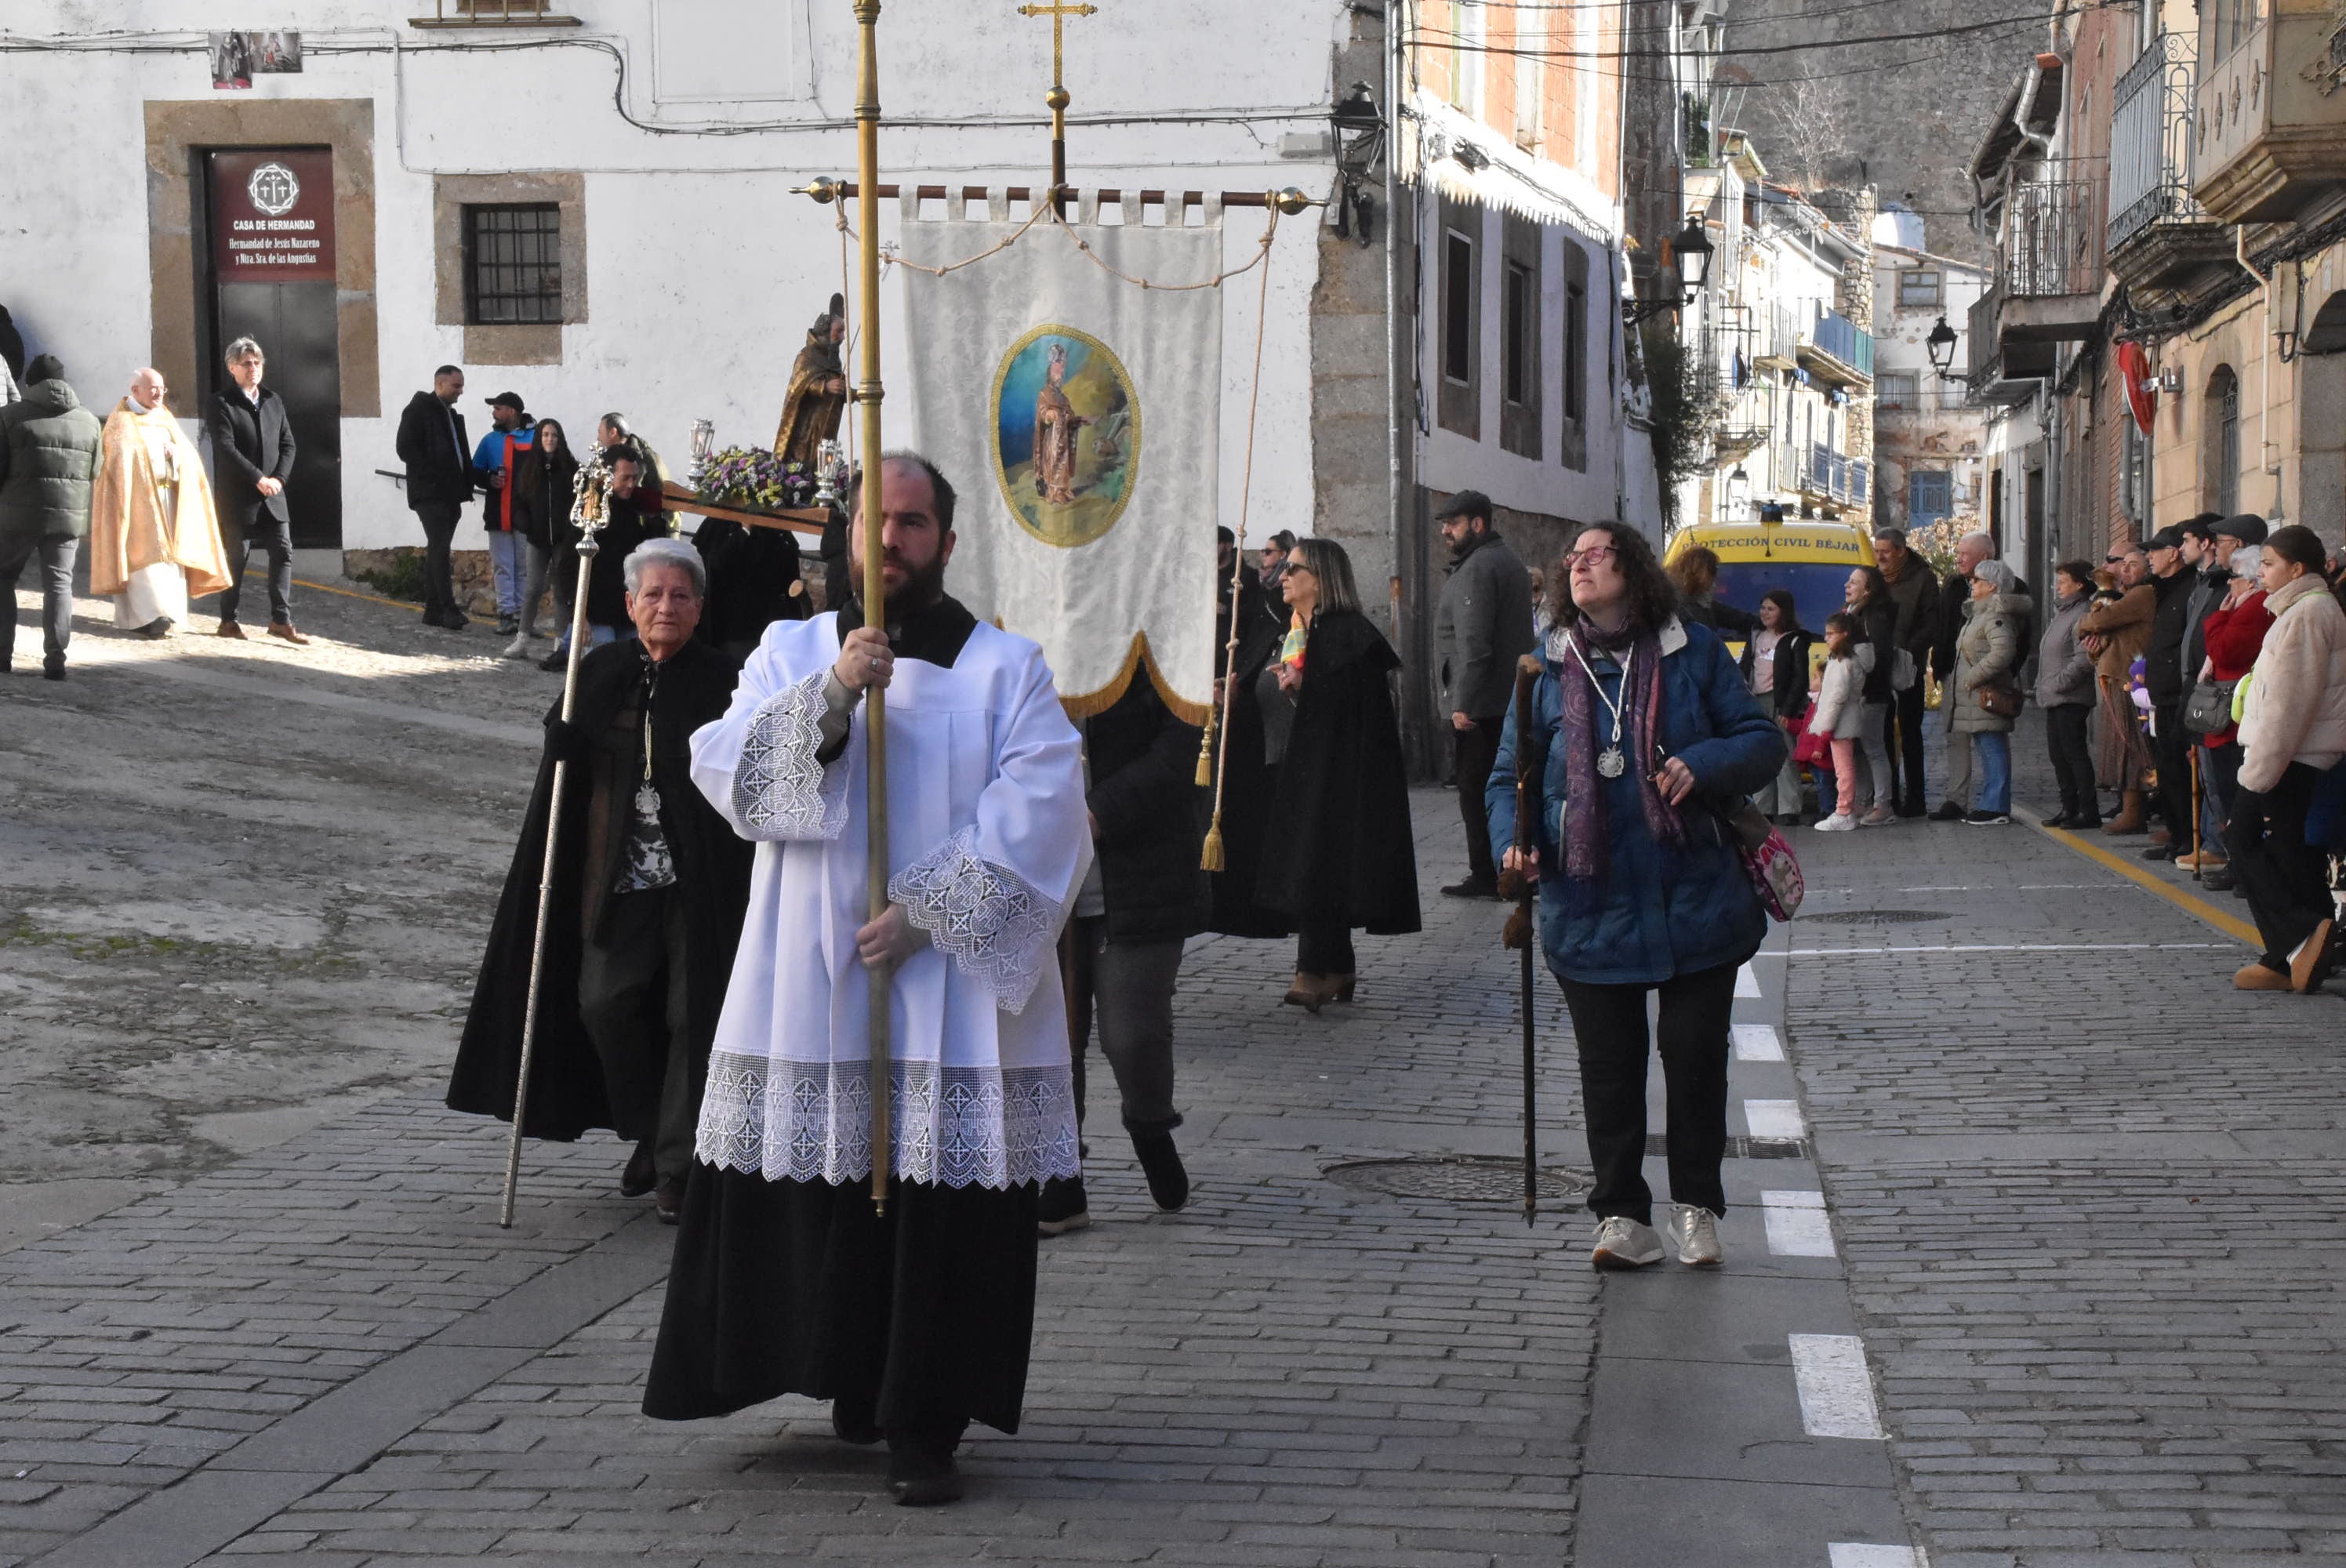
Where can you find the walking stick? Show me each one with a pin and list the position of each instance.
(2198, 839)
(875, 588)
(586, 511)
(1522, 933)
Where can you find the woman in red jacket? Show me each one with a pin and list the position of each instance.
(2234, 633)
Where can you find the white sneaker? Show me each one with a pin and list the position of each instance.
(517, 648)
(1694, 1231)
(1837, 823)
(1623, 1243)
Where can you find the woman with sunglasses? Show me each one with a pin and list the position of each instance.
(1646, 738)
(1338, 856)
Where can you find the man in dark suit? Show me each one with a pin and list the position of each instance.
(439, 482)
(252, 457)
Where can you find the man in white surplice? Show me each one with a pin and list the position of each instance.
(918, 1321)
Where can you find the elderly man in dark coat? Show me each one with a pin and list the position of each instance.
(253, 460)
(649, 891)
(49, 451)
(1482, 627)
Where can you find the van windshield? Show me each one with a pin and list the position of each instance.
(1818, 587)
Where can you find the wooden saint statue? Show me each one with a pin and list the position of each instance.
(818, 390)
(1056, 425)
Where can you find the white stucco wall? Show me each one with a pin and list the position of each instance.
(703, 272)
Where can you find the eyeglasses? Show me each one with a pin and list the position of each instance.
(1593, 555)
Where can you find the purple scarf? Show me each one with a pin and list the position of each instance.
(1586, 838)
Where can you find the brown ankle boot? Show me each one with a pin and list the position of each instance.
(2129, 817)
(1310, 992)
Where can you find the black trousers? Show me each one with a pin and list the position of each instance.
(2285, 877)
(1475, 750)
(2172, 748)
(277, 539)
(1608, 1028)
(439, 519)
(631, 998)
(2066, 726)
(1903, 737)
(1323, 946)
(1128, 988)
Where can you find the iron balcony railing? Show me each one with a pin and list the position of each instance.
(1845, 340)
(1837, 477)
(2051, 236)
(2150, 140)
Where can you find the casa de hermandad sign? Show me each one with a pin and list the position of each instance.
(272, 217)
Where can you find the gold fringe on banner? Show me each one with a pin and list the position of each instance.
(1091, 703)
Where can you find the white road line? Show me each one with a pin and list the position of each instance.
(1774, 1118)
(2011, 947)
(1836, 1390)
(1746, 985)
(1852, 1555)
(1756, 1041)
(1797, 1225)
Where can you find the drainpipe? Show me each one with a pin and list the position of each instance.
(2264, 416)
(1394, 379)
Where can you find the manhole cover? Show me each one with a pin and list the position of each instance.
(1458, 1179)
(1887, 917)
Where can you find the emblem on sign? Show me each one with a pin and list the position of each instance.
(273, 189)
(1066, 435)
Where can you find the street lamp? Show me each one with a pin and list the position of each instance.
(1691, 250)
(1739, 489)
(1359, 127)
(1942, 344)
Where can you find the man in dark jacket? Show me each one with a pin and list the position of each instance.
(1914, 589)
(252, 459)
(49, 448)
(631, 514)
(1483, 626)
(440, 480)
(649, 888)
(1146, 896)
(2162, 680)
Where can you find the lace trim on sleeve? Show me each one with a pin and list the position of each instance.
(779, 790)
(993, 925)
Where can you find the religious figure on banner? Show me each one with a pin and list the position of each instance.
(1066, 431)
(818, 390)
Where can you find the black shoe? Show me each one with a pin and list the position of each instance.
(1987, 819)
(507, 626)
(1910, 809)
(452, 620)
(2060, 819)
(854, 1421)
(2160, 852)
(1169, 1183)
(2220, 880)
(2086, 824)
(922, 1477)
(555, 661)
(1472, 888)
(1061, 1207)
(669, 1201)
(52, 666)
(639, 1177)
(1948, 811)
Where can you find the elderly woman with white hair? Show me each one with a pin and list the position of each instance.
(649, 885)
(1987, 689)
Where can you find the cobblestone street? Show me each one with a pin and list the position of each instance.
(2037, 1256)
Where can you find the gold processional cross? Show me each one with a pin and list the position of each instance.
(1057, 99)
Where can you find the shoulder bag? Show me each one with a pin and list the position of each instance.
(2208, 709)
(2001, 698)
(1768, 861)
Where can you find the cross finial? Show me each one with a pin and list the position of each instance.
(1059, 12)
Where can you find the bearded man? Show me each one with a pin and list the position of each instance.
(818, 390)
(154, 538)
(916, 1320)
(645, 901)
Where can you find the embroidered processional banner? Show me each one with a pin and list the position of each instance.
(1079, 415)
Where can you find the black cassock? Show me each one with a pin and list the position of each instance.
(923, 1318)
(712, 879)
(752, 573)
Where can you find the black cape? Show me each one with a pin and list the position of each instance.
(753, 582)
(712, 877)
(1343, 848)
(1246, 789)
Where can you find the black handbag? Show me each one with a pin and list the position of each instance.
(2208, 709)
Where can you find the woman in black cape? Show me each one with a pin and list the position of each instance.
(1315, 730)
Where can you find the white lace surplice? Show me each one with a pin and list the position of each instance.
(988, 842)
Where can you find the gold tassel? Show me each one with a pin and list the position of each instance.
(1212, 858)
(1206, 752)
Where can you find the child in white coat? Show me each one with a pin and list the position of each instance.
(1840, 716)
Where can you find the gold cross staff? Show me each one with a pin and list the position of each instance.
(1057, 99)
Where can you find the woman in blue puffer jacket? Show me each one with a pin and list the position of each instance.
(1650, 737)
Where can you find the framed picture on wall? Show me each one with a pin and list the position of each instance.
(237, 57)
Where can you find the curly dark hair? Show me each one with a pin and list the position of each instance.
(1652, 597)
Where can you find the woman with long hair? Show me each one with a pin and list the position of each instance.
(544, 483)
(1650, 739)
(1695, 574)
(1776, 668)
(1339, 855)
(1869, 606)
